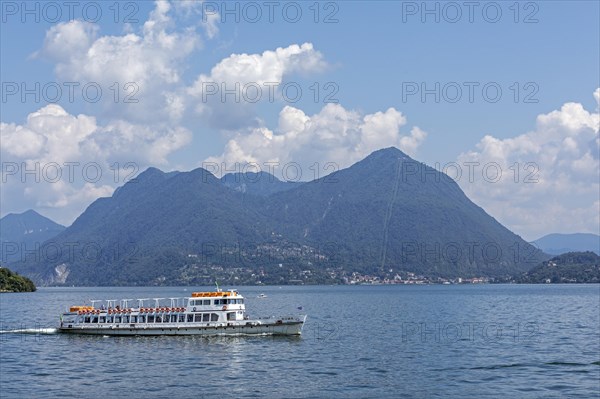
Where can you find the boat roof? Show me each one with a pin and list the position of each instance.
(203, 294)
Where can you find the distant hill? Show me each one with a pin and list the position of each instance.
(556, 244)
(383, 215)
(24, 231)
(571, 267)
(12, 282)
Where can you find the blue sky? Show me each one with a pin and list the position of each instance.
(371, 58)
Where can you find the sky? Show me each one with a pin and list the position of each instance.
(502, 96)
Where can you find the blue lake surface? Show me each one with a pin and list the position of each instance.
(521, 341)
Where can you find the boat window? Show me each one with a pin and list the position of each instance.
(95, 319)
(102, 319)
(150, 318)
(190, 318)
(181, 318)
(173, 318)
(206, 302)
(166, 318)
(214, 317)
(217, 301)
(87, 319)
(158, 319)
(206, 317)
(198, 317)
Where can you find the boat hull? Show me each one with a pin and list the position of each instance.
(286, 328)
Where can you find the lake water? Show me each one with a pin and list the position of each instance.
(519, 341)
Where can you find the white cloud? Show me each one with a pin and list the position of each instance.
(270, 66)
(152, 59)
(254, 77)
(49, 133)
(69, 38)
(556, 188)
(333, 135)
(194, 10)
(52, 139)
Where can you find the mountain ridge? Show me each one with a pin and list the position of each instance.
(385, 214)
(20, 232)
(557, 243)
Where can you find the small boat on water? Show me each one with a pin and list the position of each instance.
(204, 313)
(261, 296)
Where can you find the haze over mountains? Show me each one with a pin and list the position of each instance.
(556, 244)
(22, 231)
(384, 215)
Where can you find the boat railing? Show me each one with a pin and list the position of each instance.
(174, 302)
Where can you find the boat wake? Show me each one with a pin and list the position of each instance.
(47, 331)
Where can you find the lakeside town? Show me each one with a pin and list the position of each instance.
(411, 278)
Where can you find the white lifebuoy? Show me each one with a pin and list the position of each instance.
(194, 309)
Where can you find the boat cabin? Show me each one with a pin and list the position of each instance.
(201, 307)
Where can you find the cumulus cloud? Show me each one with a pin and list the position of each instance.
(254, 77)
(335, 135)
(148, 65)
(550, 175)
(194, 10)
(152, 60)
(270, 66)
(72, 159)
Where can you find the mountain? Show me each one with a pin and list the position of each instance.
(391, 212)
(556, 244)
(22, 232)
(571, 267)
(148, 226)
(385, 215)
(261, 183)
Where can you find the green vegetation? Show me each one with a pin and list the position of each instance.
(572, 267)
(12, 282)
(384, 215)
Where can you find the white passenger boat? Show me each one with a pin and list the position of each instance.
(204, 313)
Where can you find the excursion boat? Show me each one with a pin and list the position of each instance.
(204, 313)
